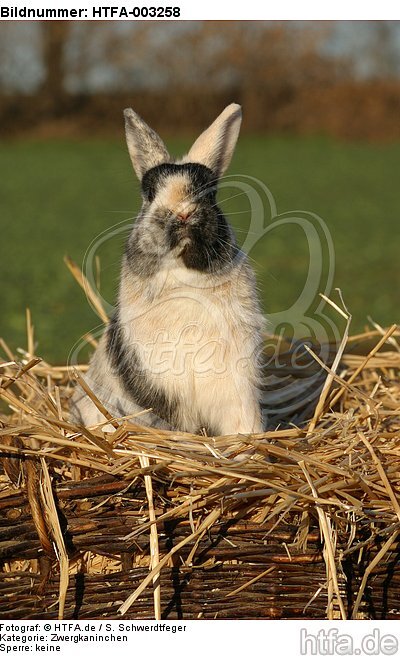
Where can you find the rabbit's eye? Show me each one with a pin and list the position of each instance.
(148, 192)
(206, 196)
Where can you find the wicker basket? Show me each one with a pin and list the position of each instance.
(239, 570)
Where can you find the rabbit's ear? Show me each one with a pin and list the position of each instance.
(214, 147)
(145, 147)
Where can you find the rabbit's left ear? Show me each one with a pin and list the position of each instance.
(146, 149)
(214, 147)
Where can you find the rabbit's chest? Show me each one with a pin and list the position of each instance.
(188, 331)
(187, 319)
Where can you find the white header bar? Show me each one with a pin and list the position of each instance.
(191, 10)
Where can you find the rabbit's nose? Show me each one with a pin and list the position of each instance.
(183, 216)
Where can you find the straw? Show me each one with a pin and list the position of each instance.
(59, 544)
(154, 550)
(87, 288)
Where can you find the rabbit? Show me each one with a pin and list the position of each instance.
(185, 340)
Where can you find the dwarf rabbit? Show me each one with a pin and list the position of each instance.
(186, 336)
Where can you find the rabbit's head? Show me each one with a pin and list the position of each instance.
(180, 221)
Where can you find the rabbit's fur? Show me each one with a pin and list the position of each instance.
(186, 336)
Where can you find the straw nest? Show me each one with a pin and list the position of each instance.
(145, 523)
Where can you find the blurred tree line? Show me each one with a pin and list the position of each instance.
(61, 77)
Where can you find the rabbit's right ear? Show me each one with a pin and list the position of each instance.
(145, 147)
(214, 147)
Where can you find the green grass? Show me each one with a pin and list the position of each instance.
(56, 197)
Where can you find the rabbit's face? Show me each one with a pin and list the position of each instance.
(179, 209)
(180, 221)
